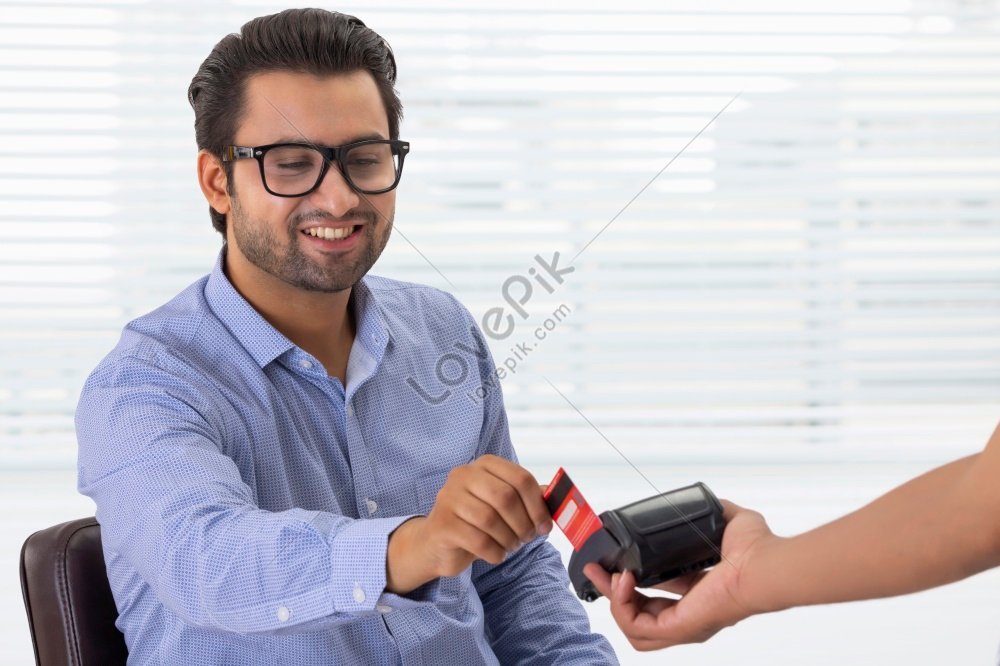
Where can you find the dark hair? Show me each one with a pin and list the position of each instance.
(311, 41)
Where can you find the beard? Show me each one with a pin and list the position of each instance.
(261, 246)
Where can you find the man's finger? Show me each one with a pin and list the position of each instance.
(643, 645)
(484, 517)
(526, 486)
(476, 542)
(506, 501)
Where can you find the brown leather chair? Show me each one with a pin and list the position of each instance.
(71, 612)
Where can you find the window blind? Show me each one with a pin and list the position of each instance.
(815, 276)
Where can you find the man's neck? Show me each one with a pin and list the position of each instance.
(321, 323)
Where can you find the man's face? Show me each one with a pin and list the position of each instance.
(271, 232)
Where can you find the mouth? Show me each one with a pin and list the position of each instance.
(332, 238)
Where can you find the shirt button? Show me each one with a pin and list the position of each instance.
(350, 410)
(359, 594)
(283, 614)
(372, 506)
(384, 609)
(305, 363)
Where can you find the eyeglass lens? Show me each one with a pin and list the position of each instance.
(293, 170)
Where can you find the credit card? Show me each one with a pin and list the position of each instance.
(570, 510)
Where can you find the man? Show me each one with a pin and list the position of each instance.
(270, 487)
(935, 529)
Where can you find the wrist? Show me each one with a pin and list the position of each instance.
(406, 565)
(760, 576)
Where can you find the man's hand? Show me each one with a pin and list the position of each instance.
(485, 510)
(710, 600)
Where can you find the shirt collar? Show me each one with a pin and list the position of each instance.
(264, 342)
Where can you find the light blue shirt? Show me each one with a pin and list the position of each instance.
(246, 498)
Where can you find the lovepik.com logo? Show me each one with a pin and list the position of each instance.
(452, 367)
(496, 323)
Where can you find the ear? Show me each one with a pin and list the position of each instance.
(212, 180)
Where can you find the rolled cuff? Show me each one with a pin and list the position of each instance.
(358, 564)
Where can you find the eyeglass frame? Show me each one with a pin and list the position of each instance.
(330, 154)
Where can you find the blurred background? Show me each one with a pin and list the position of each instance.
(783, 220)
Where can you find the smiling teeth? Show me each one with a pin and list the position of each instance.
(329, 233)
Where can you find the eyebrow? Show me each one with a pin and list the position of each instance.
(300, 139)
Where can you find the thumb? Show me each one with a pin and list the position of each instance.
(622, 585)
(730, 509)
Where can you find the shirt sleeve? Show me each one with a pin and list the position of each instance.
(174, 507)
(531, 615)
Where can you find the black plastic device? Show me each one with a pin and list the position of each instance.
(658, 538)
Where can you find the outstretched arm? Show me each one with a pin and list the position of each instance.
(935, 529)
(175, 508)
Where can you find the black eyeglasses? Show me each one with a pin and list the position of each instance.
(296, 169)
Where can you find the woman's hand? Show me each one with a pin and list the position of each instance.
(710, 600)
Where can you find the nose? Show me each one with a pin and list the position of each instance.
(335, 194)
